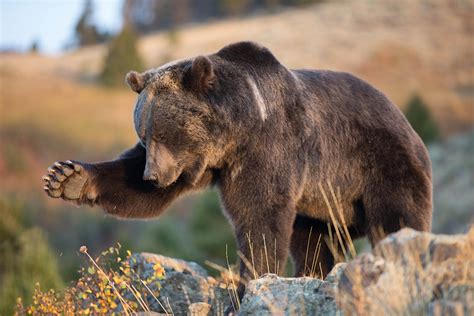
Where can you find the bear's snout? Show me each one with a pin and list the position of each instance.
(160, 167)
(148, 175)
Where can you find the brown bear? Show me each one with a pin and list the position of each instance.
(266, 137)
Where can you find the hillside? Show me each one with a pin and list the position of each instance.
(402, 47)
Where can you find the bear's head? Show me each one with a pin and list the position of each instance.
(173, 121)
(189, 112)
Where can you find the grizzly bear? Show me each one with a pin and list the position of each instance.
(269, 138)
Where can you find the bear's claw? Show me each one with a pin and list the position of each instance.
(75, 166)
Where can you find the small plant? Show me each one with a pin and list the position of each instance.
(109, 284)
(419, 116)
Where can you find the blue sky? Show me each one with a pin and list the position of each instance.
(51, 22)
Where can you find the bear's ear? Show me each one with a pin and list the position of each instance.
(135, 81)
(201, 74)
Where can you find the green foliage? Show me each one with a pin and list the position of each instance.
(211, 231)
(25, 258)
(420, 119)
(201, 237)
(169, 237)
(122, 57)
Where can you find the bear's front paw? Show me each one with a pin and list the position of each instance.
(66, 180)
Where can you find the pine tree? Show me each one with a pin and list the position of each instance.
(122, 57)
(86, 31)
(34, 47)
(419, 116)
(234, 7)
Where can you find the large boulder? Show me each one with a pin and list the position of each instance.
(410, 272)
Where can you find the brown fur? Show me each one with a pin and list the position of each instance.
(266, 136)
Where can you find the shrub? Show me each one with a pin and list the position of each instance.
(419, 116)
(25, 258)
(109, 284)
(122, 57)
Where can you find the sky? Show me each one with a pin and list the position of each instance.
(51, 22)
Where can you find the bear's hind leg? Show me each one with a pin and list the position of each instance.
(309, 249)
(388, 212)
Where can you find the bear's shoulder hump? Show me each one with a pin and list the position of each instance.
(248, 52)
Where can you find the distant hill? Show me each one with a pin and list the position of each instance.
(401, 46)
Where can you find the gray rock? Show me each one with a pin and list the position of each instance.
(273, 295)
(186, 288)
(199, 309)
(335, 274)
(411, 272)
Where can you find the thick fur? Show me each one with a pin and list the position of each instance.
(267, 137)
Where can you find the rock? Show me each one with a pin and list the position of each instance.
(199, 309)
(411, 272)
(273, 295)
(176, 265)
(335, 274)
(442, 307)
(407, 273)
(185, 288)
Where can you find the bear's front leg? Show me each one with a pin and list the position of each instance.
(263, 227)
(117, 186)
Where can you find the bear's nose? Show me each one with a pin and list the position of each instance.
(149, 176)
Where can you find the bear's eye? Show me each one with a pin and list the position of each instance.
(158, 137)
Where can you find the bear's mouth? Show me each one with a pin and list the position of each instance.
(171, 182)
(160, 185)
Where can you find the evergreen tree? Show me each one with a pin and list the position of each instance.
(122, 57)
(420, 119)
(86, 31)
(34, 47)
(234, 7)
